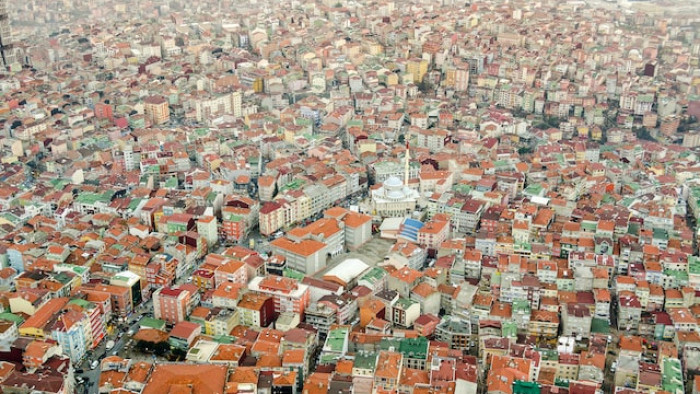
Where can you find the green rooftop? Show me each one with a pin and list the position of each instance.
(150, 322)
(78, 269)
(290, 273)
(681, 276)
(694, 264)
(600, 326)
(293, 185)
(521, 387)
(672, 376)
(134, 203)
(335, 342)
(365, 360)
(63, 278)
(82, 303)
(659, 233)
(414, 347)
(374, 274)
(11, 317)
(521, 306)
(226, 339)
(589, 226)
(509, 329)
(405, 303)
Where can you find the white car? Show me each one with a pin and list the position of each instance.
(109, 345)
(94, 364)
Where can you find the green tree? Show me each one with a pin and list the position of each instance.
(177, 354)
(161, 348)
(143, 346)
(643, 134)
(425, 86)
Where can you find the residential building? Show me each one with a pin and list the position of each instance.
(288, 294)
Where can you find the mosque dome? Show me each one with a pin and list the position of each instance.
(393, 183)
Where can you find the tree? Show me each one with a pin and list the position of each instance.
(143, 346)
(402, 139)
(644, 134)
(161, 348)
(177, 354)
(425, 86)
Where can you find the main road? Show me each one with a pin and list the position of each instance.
(120, 337)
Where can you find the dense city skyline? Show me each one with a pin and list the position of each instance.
(349, 197)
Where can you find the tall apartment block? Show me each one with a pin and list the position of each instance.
(6, 50)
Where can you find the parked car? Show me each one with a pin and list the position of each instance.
(94, 364)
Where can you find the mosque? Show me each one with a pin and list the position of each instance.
(395, 198)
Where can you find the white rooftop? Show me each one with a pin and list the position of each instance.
(348, 270)
(391, 224)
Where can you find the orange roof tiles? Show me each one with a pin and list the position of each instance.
(243, 375)
(229, 353)
(354, 219)
(45, 313)
(423, 289)
(388, 365)
(294, 356)
(630, 343)
(407, 275)
(412, 377)
(199, 378)
(139, 372)
(112, 379)
(305, 247)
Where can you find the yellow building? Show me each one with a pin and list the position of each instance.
(543, 324)
(36, 325)
(582, 131)
(418, 68)
(156, 109)
(375, 49)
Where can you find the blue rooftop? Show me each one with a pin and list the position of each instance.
(410, 229)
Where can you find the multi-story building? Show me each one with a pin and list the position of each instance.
(629, 312)
(543, 324)
(321, 317)
(37, 324)
(266, 187)
(156, 109)
(272, 217)
(307, 256)
(120, 297)
(433, 233)
(288, 294)
(96, 318)
(454, 331)
(6, 45)
(256, 310)
(404, 312)
(171, 304)
(576, 320)
(233, 271)
(239, 216)
(388, 371)
(328, 231)
(358, 227)
(73, 332)
(417, 68)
